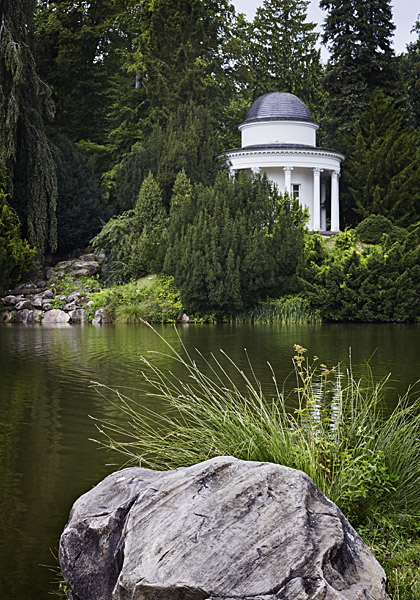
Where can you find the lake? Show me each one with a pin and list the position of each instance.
(46, 457)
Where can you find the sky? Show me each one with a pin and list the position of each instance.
(405, 15)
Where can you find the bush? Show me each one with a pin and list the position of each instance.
(371, 229)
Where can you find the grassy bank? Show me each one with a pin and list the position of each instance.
(156, 299)
(331, 426)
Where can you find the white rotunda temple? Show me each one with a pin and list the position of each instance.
(279, 139)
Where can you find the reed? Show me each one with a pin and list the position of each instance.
(285, 310)
(332, 426)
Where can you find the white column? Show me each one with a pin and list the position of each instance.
(335, 206)
(288, 180)
(323, 205)
(316, 217)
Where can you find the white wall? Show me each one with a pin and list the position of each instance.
(278, 132)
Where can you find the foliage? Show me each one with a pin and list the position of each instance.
(371, 229)
(167, 64)
(16, 256)
(383, 167)
(81, 208)
(333, 429)
(375, 284)
(288, 309)
(282, 51)
(239, 241)
(114, 240)
(188, 141)
(358, 34)
(78, 48)
(149, 235)
(411, 75)
(25, 104)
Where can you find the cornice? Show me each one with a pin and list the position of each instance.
(284, 150)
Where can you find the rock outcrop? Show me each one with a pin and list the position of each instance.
(224, 529)
(45, 302)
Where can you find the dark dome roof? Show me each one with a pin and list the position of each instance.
(278, 106)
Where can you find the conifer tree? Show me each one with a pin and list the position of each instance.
(282, 51)
(358, 34)
(383, 170)
(24, 148)
(411, 75)
(240, 242)
(149, 233)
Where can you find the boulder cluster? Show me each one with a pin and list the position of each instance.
(46, 301)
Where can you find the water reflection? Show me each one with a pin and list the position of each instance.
(46, 458)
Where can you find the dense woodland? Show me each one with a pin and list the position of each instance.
(112, 113)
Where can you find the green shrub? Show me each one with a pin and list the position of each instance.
(371, 229)
(16, 256)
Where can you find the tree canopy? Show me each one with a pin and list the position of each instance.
(25, 105)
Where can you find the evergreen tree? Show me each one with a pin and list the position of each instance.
(358, 34)
(24, 148)
(81, 207)
(188, 142)
(239, 241)
(282, 52)
(383, 168)
(149, 233)
(176, 56)
(411, 75)
(79, 48)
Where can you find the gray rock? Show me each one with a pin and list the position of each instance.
(23, 304)
(48, 294)
(35, 316)
(81, 273)
(78, 315)
(46, 305)
(224, 529)
(91, 266)
(37, 301)
(12, 300)
(49, 272)
(74, 297)
(22, 316)
(100, 317)
(41, 283)
(90, 303)
(69, 306)
(55, 316)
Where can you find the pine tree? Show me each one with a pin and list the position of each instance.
(358, 34)
(24, 149)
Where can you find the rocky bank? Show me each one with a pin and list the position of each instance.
(45, 300)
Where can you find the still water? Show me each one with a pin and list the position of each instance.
(46, 457)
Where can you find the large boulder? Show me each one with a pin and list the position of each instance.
(55, 316)
(221, 530)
